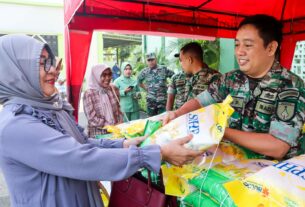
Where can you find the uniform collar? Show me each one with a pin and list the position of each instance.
(276, 68)
(154, 67)
(205, 68)
(271, 77)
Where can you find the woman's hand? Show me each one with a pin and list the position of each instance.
(175, 153)
(134, 141)
(127, 90)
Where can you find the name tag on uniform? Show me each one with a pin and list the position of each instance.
(180, 82)
(200, 87)
(264, 107)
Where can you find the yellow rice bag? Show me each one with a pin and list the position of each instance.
(128, 129)
(227, 160)
(207, 125)
(280, 185)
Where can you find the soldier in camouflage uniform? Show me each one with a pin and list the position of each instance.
(176, 90)
(191, 60)
(200, 81)
(269, 100)
(155, 77)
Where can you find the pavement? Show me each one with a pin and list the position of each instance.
(4, 196)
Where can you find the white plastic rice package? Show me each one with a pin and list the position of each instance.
(207, 125)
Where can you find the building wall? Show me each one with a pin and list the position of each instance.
(298, 63)
(227, 56)
(34, 17)
(31, 17)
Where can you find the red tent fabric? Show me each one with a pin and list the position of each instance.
(192, 18)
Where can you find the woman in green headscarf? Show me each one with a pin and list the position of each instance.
(129, 94)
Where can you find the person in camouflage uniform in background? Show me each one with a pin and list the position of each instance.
(269, 100)
(155, 77)
(191, 60)
(176, 90)
(200, 75)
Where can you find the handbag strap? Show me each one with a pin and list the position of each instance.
(149, 178)
(171, 201)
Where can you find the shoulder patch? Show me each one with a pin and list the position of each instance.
(285, 110)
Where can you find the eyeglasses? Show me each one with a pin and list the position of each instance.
(150, 60)
(47, 63)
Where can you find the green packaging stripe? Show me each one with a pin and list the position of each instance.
(213, 186)
(250, 154)
(197, 199)
(150, 128)
(130, 136)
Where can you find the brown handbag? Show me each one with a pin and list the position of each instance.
(136, 191)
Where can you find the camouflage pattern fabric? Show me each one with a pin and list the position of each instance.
(154, 108)
(177, 86)
(156, 82)
(275, 105)
(200, 81)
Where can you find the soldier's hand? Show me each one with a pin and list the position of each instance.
(175, 153)
(169, 116)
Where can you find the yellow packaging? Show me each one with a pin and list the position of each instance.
(227, 159)
(207, 125)
(128, 130)
(207, 129)
(280, 185)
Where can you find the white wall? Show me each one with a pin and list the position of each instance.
(31, 19)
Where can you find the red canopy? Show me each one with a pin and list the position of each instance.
(192, 18)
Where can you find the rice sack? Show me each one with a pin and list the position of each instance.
(207, 125)
(282, 184)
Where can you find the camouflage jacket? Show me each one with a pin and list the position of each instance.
(155, 81)
(275, 105)
(199, 82)
(177, 87)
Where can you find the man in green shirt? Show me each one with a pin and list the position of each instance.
(268, 99)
